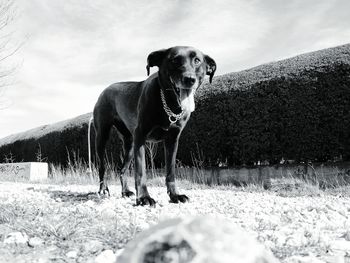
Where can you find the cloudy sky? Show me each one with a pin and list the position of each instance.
(72, 50)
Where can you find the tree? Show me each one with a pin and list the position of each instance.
(7, 47)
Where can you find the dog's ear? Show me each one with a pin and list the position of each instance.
(211, 67)
(155, 59)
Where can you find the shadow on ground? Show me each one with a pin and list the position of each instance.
(75, 196)
(69, 196)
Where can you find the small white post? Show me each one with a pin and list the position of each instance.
(89, 144)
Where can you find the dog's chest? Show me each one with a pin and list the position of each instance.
(156, 134)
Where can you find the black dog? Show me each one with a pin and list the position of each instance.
(156, 109)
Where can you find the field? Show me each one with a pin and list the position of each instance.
(63, 220)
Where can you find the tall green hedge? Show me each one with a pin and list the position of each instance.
(296, 109)
(63, 146)
(303, 118)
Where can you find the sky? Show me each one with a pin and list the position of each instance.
(71, 50)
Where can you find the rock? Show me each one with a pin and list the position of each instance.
(346, 235)
(296, 239)
(119, 252)
(72, 254)
(197, 239)
(305, 259)
(108, 213)
(35, 242)
(340, 245)
(93, 246)
(89, 203)
(16, 238)
(106, 256)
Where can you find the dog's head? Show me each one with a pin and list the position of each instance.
(182, 70)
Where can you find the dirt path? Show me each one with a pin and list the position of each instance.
(71, 224)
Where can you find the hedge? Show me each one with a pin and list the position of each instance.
(63, 145)
(304, 118)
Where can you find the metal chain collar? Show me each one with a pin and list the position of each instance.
(172, 116)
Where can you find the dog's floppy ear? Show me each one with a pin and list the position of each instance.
(211, 67)
(155, 59)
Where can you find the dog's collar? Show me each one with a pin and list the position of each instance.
(171, 115)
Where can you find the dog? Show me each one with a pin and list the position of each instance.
(156, 109)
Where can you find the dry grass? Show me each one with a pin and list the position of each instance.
(195, 178)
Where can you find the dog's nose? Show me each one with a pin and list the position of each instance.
(189, 81)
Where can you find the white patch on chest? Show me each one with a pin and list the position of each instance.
(187, 104)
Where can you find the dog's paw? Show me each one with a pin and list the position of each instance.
(127, 193)
(146, 200)
(104, 191)
(179, 198)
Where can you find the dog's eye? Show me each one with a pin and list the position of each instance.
(197, 61)
(176, 60)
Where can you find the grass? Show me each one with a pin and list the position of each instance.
(303, 180)
(299, 184)
(335, 182)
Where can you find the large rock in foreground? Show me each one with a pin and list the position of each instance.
(198, 239)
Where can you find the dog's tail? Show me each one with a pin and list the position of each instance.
(89, 143)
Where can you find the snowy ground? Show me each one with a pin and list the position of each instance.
(71, 224)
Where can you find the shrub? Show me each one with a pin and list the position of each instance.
(304, 118)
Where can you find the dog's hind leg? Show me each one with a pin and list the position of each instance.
(128, 154)
(142, 195)
(128, 149)
(102, 134)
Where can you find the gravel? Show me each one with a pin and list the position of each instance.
(73, 218)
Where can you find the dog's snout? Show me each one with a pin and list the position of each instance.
(189, 81)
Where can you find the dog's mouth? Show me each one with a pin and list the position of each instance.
(185, 90)
(187, 99)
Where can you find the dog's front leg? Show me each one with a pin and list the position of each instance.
(170, 146)
(142, 195)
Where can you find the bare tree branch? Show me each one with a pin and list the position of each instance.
(7, 47)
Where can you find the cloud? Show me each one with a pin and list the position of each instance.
(74, 49)
(301, 26)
